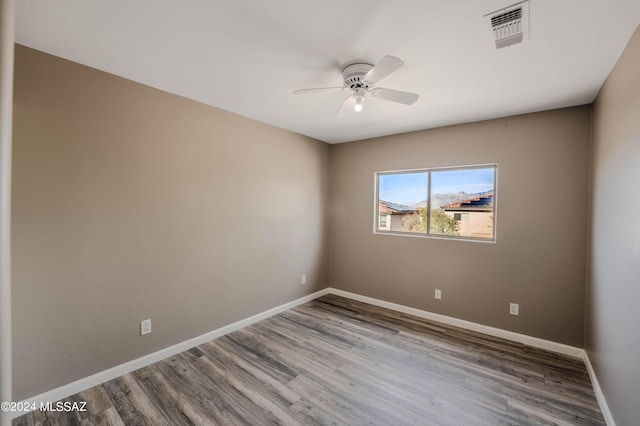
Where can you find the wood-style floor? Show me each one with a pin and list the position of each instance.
(341, 362)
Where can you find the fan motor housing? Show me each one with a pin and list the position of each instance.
(353, 74)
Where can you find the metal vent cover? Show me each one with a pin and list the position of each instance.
(510, 25)
(506, 18)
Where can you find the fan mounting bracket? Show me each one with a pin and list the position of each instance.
(353, 75)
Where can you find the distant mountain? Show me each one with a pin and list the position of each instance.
(438, 200)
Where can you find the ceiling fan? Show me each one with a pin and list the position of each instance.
(362, 78)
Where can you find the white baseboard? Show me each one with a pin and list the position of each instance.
(604, 407)
(119, 370)
(491, 331)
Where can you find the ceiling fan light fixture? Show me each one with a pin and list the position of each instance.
(359, 98)
(362, 78)
(358, 105)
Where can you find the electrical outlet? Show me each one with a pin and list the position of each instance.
(145, 327)
(438, 294)
(303, 280)
(514, 309)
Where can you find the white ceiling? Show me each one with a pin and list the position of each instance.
(248, 56)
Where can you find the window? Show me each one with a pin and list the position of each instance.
(384, 222)
(463, 217)
(456, 202)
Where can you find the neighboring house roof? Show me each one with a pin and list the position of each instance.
(480, 202)
(386, 207)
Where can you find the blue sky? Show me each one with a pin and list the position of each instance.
(406, 188)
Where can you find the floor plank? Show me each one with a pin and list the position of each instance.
(336, 361)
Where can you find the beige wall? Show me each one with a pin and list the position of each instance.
(539, 258)
(613, 303)
(131, 203)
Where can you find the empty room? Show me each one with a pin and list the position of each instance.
(284, 212)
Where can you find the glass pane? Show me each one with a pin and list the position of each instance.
(462, 202)
(402, 197)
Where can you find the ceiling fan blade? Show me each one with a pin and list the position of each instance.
(347, 107)
(386, 66)
(318, 90)
(395, 95)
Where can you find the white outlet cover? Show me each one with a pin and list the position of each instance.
(514, 309)
(438, 294)
(145, 327)
(303, 280)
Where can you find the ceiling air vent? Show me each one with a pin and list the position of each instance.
(510, 25)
